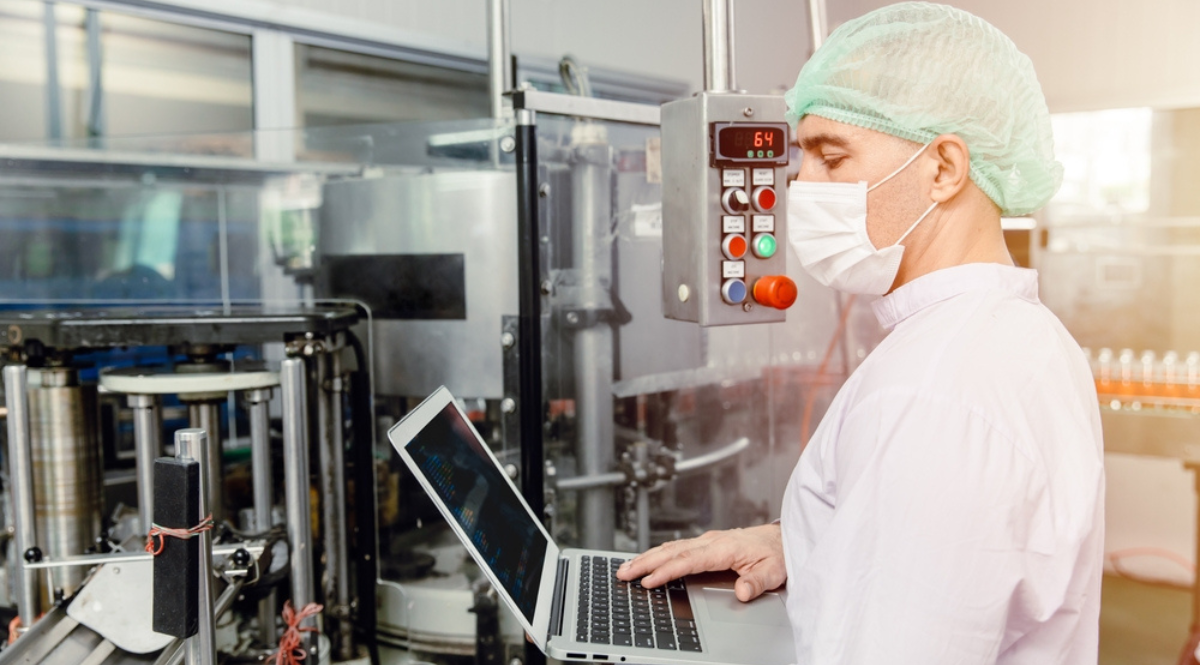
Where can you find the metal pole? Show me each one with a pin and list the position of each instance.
(207, 416)
(260, 470)
(147, 444)
(591, 187)
(718, 46)
(201, 647)
(54, 130)
(293, 386)
(500, 78)
(817, 22)
(337, 546)
(529, 331)
(641, 452)
(20, 475)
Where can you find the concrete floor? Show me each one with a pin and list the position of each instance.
(1142, 624)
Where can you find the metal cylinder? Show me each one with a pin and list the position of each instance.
(207, 416)
(333, 491)
(591, 194)
(201, 647)
(500, 78)
(147, 444)
(293, 388)
(817, 23)
(66, 468)
(718, 46)
(260, 470)
(20, 474)
(642, 459)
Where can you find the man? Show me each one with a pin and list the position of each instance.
(949, 508)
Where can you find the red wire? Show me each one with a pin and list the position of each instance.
(805, 421)
(154, 539)
(12, 629)
(290, 652)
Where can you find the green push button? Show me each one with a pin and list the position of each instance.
(765, 245)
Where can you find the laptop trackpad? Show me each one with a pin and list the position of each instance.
(722, 606)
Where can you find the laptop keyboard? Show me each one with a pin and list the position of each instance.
(627, 614)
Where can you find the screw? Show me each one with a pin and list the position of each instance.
(746, 307)
(507, 340)
(544, 190)
(572, 318)
(547, 287)
(508, 405)
(748, 112)
(508, 144)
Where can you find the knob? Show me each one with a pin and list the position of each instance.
(764, 198)
(735, 200)
(733, 291)
(776, 291)
(734, 246)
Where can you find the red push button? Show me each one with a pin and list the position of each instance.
(776, 291)
(734, 246)
(764, 198)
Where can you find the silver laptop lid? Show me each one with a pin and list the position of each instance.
(482, 505)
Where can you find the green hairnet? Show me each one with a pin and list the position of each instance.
(917, 70)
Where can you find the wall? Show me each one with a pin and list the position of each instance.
(1096, 54)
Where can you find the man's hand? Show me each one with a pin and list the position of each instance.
(755, 554)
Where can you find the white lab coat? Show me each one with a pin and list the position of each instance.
(949, 508)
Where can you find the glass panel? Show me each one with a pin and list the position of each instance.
(337, 88)
(156, 77)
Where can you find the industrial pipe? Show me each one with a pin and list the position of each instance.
(718, 46)
(817, 22)
(202, 647)
(500, 75)
(147, 444)
(207, 416)
(260, 471)
(294, 386)
(20, 476)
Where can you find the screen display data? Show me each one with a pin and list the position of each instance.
(483, 503)
(751, 143)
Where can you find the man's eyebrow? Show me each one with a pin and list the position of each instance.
(816, 141)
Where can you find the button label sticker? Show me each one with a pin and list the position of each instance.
(733, 178)
(764, 176)
(733, 269)
(764, 223)
(733, 224)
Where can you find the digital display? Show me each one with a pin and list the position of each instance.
(483, 503)
(751, 143)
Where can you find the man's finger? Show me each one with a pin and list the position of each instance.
(646, 562)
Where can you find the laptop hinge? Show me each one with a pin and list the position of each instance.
(560, 598)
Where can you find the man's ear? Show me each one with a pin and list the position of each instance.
(951, 165)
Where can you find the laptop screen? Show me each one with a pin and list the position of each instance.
(483, 503)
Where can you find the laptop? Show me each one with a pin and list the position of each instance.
(569, 600)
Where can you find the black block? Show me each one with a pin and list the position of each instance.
(177, 568)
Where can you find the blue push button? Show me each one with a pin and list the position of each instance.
(733, 291)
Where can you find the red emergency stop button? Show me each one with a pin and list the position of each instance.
(734, 246)
(776, 291)
(764, 198)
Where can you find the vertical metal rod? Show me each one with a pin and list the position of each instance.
(529, 327)
(147, 444)
(201, 647)
(718, 46)
(207, 416)
(54, 129)
(338, 546)
(260, 471)
(499, 55)
(817, 23)
(591, 214)
(95, 128)
(294, 386)
(20, 475)
(642, 459)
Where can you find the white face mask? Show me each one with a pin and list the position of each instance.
(827, 226)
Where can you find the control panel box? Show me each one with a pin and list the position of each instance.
(724, 162)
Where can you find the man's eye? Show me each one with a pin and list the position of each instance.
(832, 162)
